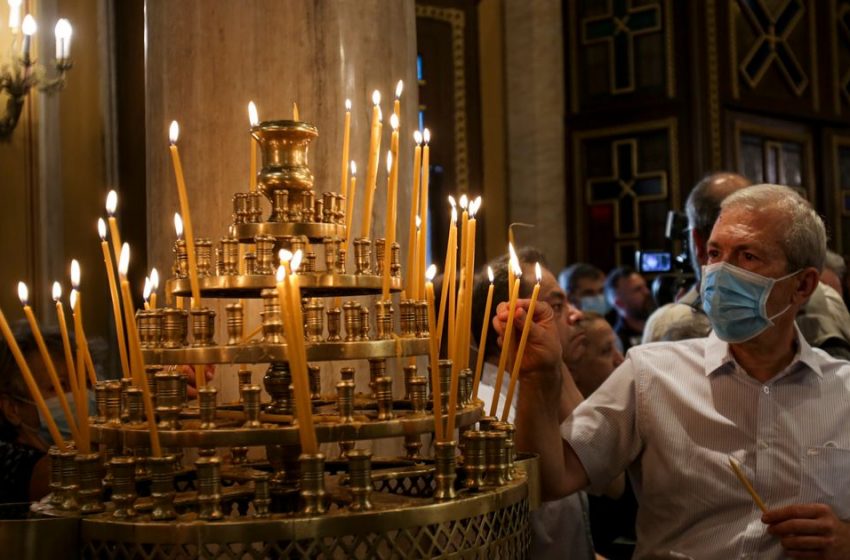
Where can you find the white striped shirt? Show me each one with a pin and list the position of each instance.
(673, 413)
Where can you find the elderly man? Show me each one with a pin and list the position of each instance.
(673, 414)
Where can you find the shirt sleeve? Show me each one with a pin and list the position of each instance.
(603, 430)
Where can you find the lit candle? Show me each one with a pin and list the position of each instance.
(178, 230)
(23, 295)
(29, 27)
(136, 357)
(346, 141)
(372, 164)
(509, 327)
(455, 306)
(435, 352)
(392, 204)
(523, 339)
(66, 345)
(466, 328)
(451, 250)
(174, 134)
(146, 293)
(482, 344)
(116, 302)
(423, 200)
(412, 273)
(35, 393)
(254, 120)
(295, 116)
(14, 14)
(82, 343)
(349, 213)
(385, 280)
(154, 286)
(63, 32)
(82, 352)
(399, 87)
(111, 207)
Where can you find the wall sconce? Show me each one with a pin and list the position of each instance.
(22, 73)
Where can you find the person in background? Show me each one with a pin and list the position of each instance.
(584, 285)
(834, 270)
(628, 294)
(559, 528)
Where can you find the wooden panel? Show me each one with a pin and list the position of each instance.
(839, 32)
(838, 182)
(628, 178)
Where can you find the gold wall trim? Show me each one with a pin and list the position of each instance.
(579, 204)
(668, 40)
(457, 20)
(814, 57)
(713, 83)
(734, 13)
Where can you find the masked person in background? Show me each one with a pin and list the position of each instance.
(675, 413)
(584, 285)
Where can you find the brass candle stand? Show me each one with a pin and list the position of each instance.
(234, 478)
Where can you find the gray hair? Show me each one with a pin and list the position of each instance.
(804, 240)
(835, 263)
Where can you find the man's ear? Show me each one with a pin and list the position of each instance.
(806, 285)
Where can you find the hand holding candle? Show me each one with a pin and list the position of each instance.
(529, 319)
(509, 327)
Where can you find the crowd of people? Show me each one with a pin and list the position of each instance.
(636, 411)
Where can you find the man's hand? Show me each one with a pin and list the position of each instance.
(543, 347)
(189, 373)
(809, 531)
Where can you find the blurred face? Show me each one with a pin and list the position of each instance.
(565, 313)
(634, 300)
(831, 279)
(587, 287)
(599, 358)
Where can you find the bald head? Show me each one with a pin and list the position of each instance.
(703, 207)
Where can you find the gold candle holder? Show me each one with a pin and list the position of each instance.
(509, 448)
(365, 324)
(351, 312)
(384, 319)
(203, 327)
(262, 496)
(463, 386)
(395, 260)
(55, 484)
(90, 474)
(297, 243)
(445, 473)
(100, 402)
(345, 401)
(413, 447)
(494, 452)
(418, 400)
(235, 323)
(280, 206)
(329, 204)
(250, 263)
(162, 487)
(207, 407)
(209, 488)
(251, 406)
(244, 376)
(340, 259)
(485, 423)
(240, 208)
(380, 247)
(474, 461)
(421, 310)
(229, 256)
(409, 374)
(360, 479)
(377, 369)
(333, 315)
(173, 327)
(113, 403)
(277, 382)
(308, 205)
(123, 470)
(330, 254)
(181, 259)
(314, 319)
(314, 374)
(254, 209)
(169, 399)
(203, 253)
(346, 374)
(407, 318)
(339, 215)
(384, 398)
(362, 256)
(445, 384)
(266, 259)
(313, 495)
(134, 405)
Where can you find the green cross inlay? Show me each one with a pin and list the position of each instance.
(618, 28)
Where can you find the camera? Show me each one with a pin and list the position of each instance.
(653, 261)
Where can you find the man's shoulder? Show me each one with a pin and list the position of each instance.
(669, 318)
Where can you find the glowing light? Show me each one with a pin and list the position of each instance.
(426, 136)
(75, 274)
(101, 229)
(431, 273)
(23, 293)
(490, 274)
(173, 132)
(394, 121)
(417, 137)
(124, 261)
(178, 225)
(253, 118)
(57, 291)
(376, 97)
(111, 203)
(347, 104)
(353, 168)
(399, 87)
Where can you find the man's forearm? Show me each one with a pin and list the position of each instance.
(571, 397)
(537, 431)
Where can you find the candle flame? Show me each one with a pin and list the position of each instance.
(173, 132)
(29, 27)
(538, 273)
(417, 137)
(394, 121)
(23, 293)
(75, 274)
(426, 136)
(253, 118)
(490, 274)
(353, 168)
(295, 264)
(284, 255)
(452, 201)
(514, 260)
(154, 279)
(418, 222)
(101, 229)
(474, 206)
(178, 225)
(347, 104)
(389, 161)
(73, 300)
(57, 291)
(146, 291)
(376, 97)
(399, 87)
(431, 273)
(464, 201)
(454, 215)
(280, 274)
(124, 261)
(111, 203)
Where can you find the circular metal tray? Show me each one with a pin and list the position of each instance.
(258, 353)
(315, 231)
(314, 284)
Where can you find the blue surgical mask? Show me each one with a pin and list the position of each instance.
(735, 301)
(54, 405)
(596, 304)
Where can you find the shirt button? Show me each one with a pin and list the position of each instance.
(766, 390)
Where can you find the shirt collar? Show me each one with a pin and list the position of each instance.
(718, 355)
